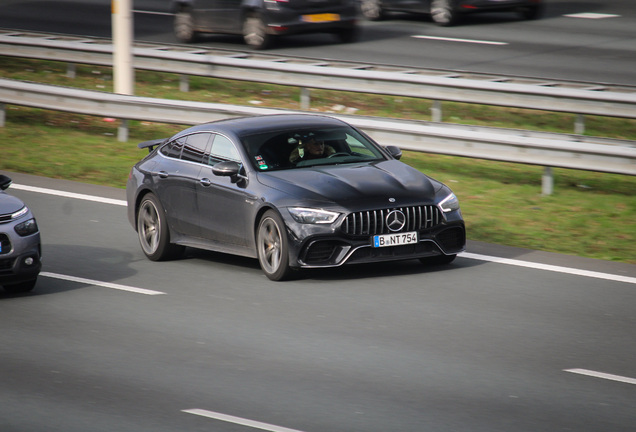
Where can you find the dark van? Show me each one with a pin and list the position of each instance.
(261, 21)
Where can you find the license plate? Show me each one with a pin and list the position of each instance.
(398, 239)
(318, 18)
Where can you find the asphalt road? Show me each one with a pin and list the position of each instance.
(109, 341)
(593, 41)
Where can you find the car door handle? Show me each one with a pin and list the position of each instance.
(205, 182)
(162, 174)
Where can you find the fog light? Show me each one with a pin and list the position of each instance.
(29, 261)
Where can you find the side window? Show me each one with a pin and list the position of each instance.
(223, 149)
(195, 147)
(173, 148)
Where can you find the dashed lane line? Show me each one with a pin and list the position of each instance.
(602, 375)
(101, 284)
(238, 420)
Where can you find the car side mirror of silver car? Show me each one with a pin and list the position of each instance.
(5, 182)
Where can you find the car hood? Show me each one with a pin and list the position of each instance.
(9, 204)
(353, 184)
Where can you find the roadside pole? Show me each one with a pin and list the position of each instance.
(123, 70)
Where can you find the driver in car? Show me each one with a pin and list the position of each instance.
(311, 148)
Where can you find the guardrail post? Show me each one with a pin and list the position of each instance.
(3, 114)
(579, 124)
(547, 181)
(184, 83)
(305, 98)
(122, 131)
(70, 70)
(436, 111)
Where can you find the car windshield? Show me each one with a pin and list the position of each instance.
(296, 149)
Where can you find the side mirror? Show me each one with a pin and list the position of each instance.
(5, 182)
(226, 169)
(394, 151)
(229, 169)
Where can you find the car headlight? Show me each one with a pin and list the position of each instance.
(450, 203)
(26, 228)
(312, 216)
(17, 215)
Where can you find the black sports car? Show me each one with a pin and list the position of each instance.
(293, 190)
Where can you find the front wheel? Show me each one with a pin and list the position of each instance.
(272, 247)
(443, 12)
(255, 32)
(153, 232)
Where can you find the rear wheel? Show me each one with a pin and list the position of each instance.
(184, 26)
(372, 10)
(153, 232)
(443, 12)
(255, 32)
(272, 247)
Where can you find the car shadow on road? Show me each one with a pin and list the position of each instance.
(346, 272)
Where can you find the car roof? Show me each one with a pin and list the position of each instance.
(243, 126)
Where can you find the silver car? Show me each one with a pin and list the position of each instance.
(20, 247)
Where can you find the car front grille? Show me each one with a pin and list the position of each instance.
(5, 244)
(373, 222)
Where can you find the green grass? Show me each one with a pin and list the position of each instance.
(589, 214)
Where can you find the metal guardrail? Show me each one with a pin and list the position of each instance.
(548, 150)
(520, 92)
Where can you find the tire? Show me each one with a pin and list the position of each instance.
(438, 260)
(372, 10)
(443, 12)
(184, 26)
(153, 232)
(22, 287)
(254, 32)
(272, 247)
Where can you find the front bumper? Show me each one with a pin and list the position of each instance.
(17, 267)
(316, 246)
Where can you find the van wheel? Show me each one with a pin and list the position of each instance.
(254, 32)
(372, 10)
(443, 12)
(184, 26)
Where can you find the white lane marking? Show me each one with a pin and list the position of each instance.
(152, 13)
(102, 284)
(475, 41)
(602, 375)
(548, 267)
(68, 194)
(591, 15)
(238, 420)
